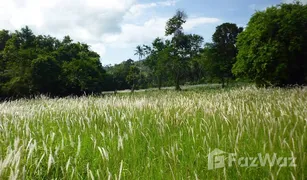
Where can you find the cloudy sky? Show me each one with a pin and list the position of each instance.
(113, 28)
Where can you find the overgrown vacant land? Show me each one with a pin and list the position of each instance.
(154, 135)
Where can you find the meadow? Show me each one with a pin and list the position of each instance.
(154, 135)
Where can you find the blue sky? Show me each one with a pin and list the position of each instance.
(113, 28)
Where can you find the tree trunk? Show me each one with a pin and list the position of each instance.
(133, 86)
(177, 83)
(132, 89)
(159, 83)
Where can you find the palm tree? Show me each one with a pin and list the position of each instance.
(147, 50)
(139, 51)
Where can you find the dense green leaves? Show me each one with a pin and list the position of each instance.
(133, 76)
(273, 47)
(183, 48)
(220, 56)
(117, 76)
(174, 25)
(44, 65)
(45, 73)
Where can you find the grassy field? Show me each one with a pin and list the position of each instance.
(154, 135)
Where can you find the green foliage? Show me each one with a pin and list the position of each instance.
(182, 48)
(133, 76)
(139, 51)
(44, 65)
(272, 49)
(157, 60)
(84, 75)
(4, 37)
(174, 25)
(46, 72)
(220, 56)
(119, 74)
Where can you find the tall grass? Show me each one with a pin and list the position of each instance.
(153, 135)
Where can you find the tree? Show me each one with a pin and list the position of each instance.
(208, 58)
(194, 51)
(26, 37)
(46, 44)
(273, 47)
(4, 37)
(18, 53)
(118, 74)
(133, 76)
(139, 51)
(157, 59)
(146, 50)
(83, 76)
(42, 64)
(225, 51)
(174, 26)
(46, 72)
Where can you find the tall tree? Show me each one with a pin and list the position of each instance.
(4, 37)
(18, 54)
(133, 77)
(174, 26)
(194, 51)
(45, 72)
(224, 44)
(119, 73)
(157, 59)
(273, 47)
(84, 73)
(139, 51)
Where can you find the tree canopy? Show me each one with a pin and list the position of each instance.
(44, 65)
(273, 47)
(221, 54)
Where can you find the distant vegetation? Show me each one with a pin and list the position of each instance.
(270, 51)
(45, 65)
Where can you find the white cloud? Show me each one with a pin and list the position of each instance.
(81, 19)
(138, 9)
(136, 34)
(145, 33)
(194, 22)
(84, 20)
(98, 47)
(168, 3)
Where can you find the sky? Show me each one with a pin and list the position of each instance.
(113, 28)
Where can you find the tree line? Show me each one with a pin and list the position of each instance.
(270, 51)
(33, 65)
